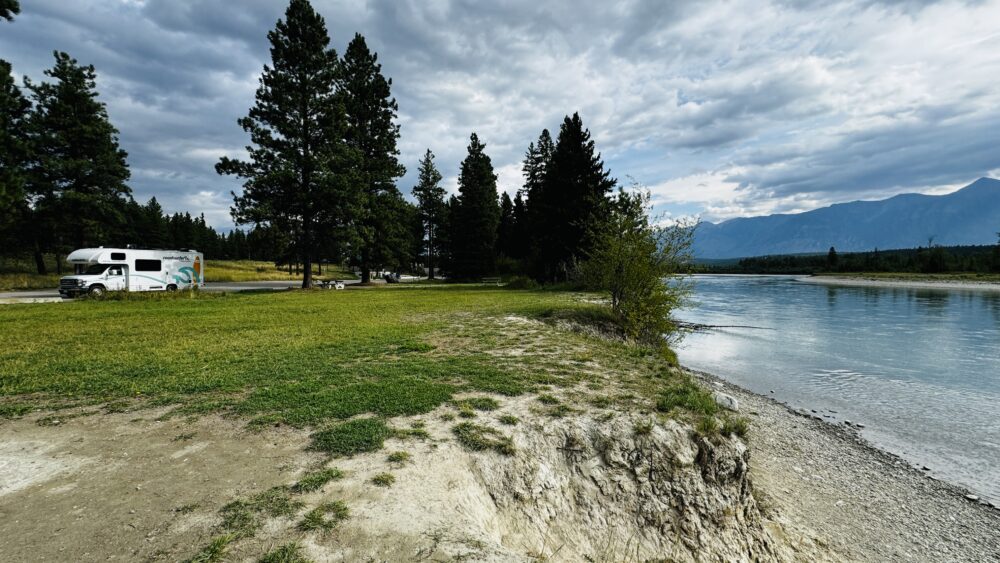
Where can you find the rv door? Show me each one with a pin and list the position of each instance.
(117, 279)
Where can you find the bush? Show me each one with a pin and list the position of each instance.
(521, 282)
(638, 264)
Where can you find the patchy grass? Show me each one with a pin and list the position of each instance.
(482, 438)
(215, 550)
(643, 428)
(288, 553)
(480, 403)
(314, 481)
(383, 480)
(688, 395)
(353, 437)
(399, 458)
(508, 419)
(242, 518)
(324, 517)
(735, 425)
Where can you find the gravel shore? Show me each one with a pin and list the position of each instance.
(868, 504)
(902, 283)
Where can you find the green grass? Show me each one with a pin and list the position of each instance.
(481, 438)
(324, 517)
(479, 403)
(399, 458)
(314, 481)
(242, 518)
(508, 419)
(353, 437)
(688, 395)
(383, 480)
(253, 270)
(215, 551)
(288, 553)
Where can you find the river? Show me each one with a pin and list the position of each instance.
(919, 368)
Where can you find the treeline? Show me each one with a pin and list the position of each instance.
(926, 260)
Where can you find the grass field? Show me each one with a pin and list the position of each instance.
(18, 274)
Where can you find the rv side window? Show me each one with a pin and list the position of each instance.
(95, 269)
(147, 265)
(115, 271)
(117, 255)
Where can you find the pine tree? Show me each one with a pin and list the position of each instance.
(9, 9)
(299, 172)
(520, 237)
(477, 216)
(505, 228)
(14, 108)
(431, 207)
(572, 202)
(78, 171)
(371, 131)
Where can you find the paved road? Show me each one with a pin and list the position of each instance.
(209, 286)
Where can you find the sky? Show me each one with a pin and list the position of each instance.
(721, 109)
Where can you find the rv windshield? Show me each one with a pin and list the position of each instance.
(96, 269)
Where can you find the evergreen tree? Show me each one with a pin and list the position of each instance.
(371, 131)
(154, 225)
(520, 236)
(831, 258)
(78, 173)
(298, 175)
(477, 216)
(447, 236)
(14, 108)
(9, 9)
(431, 207)
(573, 201)
(505, 228)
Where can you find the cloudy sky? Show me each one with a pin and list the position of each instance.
(722, 108)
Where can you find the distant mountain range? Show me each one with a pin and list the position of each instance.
(970, 215)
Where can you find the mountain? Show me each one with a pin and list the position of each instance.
(970, 215)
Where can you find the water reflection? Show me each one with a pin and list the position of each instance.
(904, 361)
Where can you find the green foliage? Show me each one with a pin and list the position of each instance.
(300, 174)
(314, 481)
(352, 437)
(476, 217)
(481, 438)
(431, 207)
(631, 260)
(548, 399)
(398, 457)
(14, 154)
(735, 425)
(479, 403)
(242, 518)
(215, 551)
(383, 480)
(9, 9)
(688, 395)
(521, 282)
(288, 553)
(324, 517)
(508, 419)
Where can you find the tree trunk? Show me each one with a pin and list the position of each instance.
(366, 274)
(430, 254)
(307, 278)
(40, 261)
(58, 265)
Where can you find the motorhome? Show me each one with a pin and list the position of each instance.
(115, 269)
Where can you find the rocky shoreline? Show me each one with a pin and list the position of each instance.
(869, 504)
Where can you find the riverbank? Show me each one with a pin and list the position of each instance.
(906, 282)
(871, 505)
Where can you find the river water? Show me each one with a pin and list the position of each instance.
(919, 368)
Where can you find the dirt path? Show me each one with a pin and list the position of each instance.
(871, 504)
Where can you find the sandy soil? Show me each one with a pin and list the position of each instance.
(871, 505)
(902, 283)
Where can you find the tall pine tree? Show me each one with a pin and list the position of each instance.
(431, 207)
(571, 201)
(477, 215)
(78, 173)
(299, 172)
(372, 132)
(14, 108)
(505, 228)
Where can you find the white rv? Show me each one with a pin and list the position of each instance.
(115, 269)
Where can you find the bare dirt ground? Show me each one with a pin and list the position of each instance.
(872, 505)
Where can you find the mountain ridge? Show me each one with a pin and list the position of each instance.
(970, 215)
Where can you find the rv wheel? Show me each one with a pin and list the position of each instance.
(96, 291)
(171, 287)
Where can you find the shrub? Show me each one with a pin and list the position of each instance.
(521, 282)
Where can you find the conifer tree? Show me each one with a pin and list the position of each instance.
(14, 108)
(78, 172)
(373, 133)
(431, 207)
(520, 237)
(505, 228)
(9, 9)
(299, 172)
(573, 201)
(477, 215)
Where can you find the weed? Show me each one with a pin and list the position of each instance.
(288, 553)
(314, 481)
(214, 551)
(398, 457)
(559, 411)
(184, 437)
(465, 410)
(643, 428)
(735, 425)
(404, 433)
(447, 417)
(243, 517)
(547, 399)
(480, 438)
(508, 419)
(349, 438)
(324, 517)
(481, 403)
(187, 508)
(687, 395)
(15, 410)
(708, 426)
(384, 479)
(601, 402)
